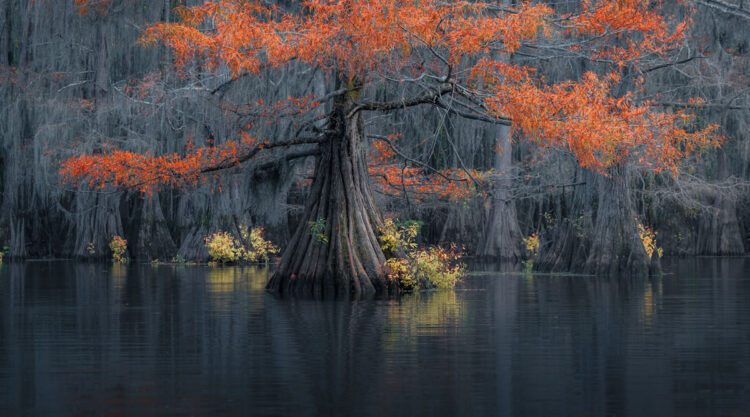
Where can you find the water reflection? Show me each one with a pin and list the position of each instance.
(79, 339)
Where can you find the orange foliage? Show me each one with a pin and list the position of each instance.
(376, 38)
(636, 22)
(148, 173)
(351, 37)
(584, 117)
(397, 179)
(449, 184)
(100, 6)
(292, 106)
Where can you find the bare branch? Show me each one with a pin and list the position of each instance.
(424, 98)
(725, 7)
(254, 151)
(420, 163)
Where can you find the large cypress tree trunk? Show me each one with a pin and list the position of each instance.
(344, 257)
(153, 239)
(502, 236)
(719, 230)
(616, 247)
(600, 234)
(4, 33)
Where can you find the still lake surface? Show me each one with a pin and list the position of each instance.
(89, 340)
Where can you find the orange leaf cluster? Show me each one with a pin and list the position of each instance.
(348, 36)
(451, 185)
(142, 88)
(585, 117)
(148, 173)
(395, 179)
(625, 30)
(100, 6)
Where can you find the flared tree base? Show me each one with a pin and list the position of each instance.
(335, 250)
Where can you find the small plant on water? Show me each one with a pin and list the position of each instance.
(411, 266)
(119, 248)
(224, 248)
(179, 259)
(531, 244)
(261, 249)
(648, 239)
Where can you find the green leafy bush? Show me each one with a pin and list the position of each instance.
(317, 229)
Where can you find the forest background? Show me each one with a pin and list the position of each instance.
(75, 83)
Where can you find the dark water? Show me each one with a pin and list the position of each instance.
(86, 340)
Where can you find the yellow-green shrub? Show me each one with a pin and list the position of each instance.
(531, 244)
(648, 239)
(398, 269)
(396, 237)
(410, 266)
(261, 249)
(119, 248)
(223, 247)
(438, 266)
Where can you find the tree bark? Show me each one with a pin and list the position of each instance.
(502, 236)
(600, 234)
(616, 248)
(101, 74)
(154, 240)
(344, 258)
(720, 231)
(97, 220)
(4, 33)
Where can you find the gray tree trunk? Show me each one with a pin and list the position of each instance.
(615, 245)
(154, 240)
(101, 74)
(345, 257)
(4, 33)
(719, 230)
(502, 236)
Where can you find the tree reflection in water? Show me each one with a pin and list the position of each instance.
(84, 339)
